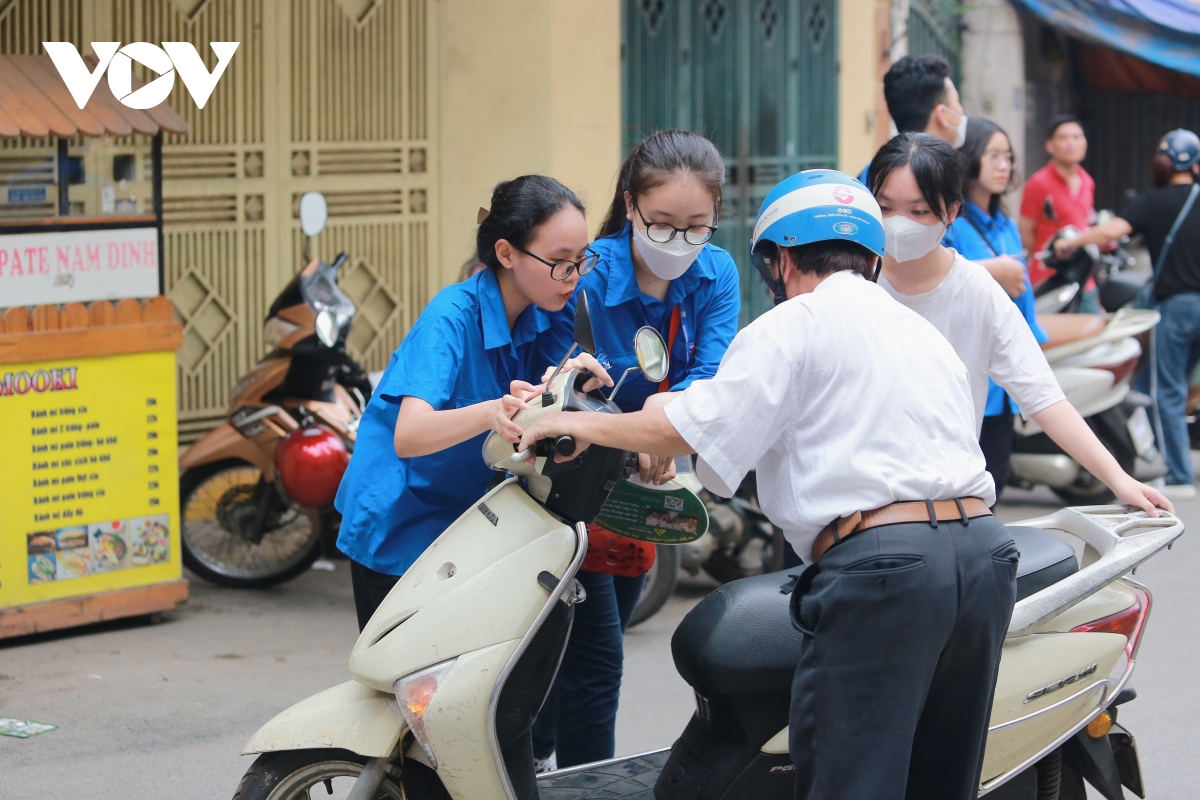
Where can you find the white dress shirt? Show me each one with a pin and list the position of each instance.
(986, 329)
(845, 401)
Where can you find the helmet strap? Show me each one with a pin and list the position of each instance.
(878, 269)
(775, 284)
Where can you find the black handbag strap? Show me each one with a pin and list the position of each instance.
(1187, 207)
(982, 235)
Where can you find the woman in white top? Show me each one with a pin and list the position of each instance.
(917, 181)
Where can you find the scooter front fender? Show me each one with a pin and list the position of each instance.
(350, 716)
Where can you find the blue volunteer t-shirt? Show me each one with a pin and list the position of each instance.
(988, 237)
(459, 352)
(708, 298)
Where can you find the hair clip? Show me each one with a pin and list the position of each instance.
(482, 215)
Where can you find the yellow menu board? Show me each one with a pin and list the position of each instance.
(89, 476)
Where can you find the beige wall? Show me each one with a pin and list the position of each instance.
(525, 86)
(863, 42)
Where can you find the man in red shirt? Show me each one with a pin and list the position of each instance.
(1062, 187)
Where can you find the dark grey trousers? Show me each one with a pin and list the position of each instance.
(903, 627)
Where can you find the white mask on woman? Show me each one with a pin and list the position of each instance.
(905, 239)
(667, 260)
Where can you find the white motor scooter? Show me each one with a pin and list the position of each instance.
(451, 670)
(1094, 358)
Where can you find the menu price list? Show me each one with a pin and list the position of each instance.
(89, 476)
(71, 468)
(71, 456)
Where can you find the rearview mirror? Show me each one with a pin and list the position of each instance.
(583, 325)
(652, 356)
(314, 211)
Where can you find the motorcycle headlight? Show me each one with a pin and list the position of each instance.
(414, 693)
(276, 330)
(327, 329)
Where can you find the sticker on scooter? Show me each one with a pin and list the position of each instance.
(1054, 687)
(669, 514)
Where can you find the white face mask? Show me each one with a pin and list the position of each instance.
(667, 260)
(906, 239)
(960, 130)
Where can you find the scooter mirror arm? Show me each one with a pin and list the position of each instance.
(548, 398)
(613, 394)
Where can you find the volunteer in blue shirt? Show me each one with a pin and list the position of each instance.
(657, 268)
(985, 234)
(416, 465)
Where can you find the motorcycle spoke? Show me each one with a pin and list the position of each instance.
(217, 516)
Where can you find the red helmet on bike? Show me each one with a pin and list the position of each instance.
(311, 462)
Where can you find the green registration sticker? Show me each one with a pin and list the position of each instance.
(667, 515)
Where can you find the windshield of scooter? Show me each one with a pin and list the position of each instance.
(320, 290)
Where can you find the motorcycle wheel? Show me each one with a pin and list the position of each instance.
(218, 504)
(295, 774)
(660, 583)
(1087, 490)
(744, 562)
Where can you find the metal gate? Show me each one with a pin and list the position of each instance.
(330, 95)
(935, 26)
(757, 78)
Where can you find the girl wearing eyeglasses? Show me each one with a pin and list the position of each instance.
(416, 465)
(657, 267)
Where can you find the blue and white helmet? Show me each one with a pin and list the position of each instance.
(819, 205)
(1182, 147)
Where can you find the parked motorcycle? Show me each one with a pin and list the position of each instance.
(450, 672)
(256, 493)
(1094, 358)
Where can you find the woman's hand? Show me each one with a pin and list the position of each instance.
(588, 362)
(516, 400)
(656, 469)
(1008, 272)
(1062, 423)
(1140, 495)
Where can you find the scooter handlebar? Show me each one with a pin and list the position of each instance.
(545, 448)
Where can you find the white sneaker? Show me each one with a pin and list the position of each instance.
(1179, 491)
(541, 765)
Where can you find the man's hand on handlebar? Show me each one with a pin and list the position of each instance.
(588, 362)
(1063, 248)
(552, 426)
(517, 399)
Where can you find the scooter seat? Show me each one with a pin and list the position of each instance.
(1067, 328)
(1045, 560)
(740, 639)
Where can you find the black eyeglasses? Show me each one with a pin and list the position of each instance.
(561, 269)
(663, 232)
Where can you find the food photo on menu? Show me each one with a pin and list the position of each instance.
(79, 551)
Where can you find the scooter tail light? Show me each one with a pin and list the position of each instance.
(1129, 622)
(1122, 370)
(414, 693)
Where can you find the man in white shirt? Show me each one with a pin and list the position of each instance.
(859, 419)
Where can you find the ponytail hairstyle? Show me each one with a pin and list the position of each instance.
(657, 159)
(936, 165)
(519, 207)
